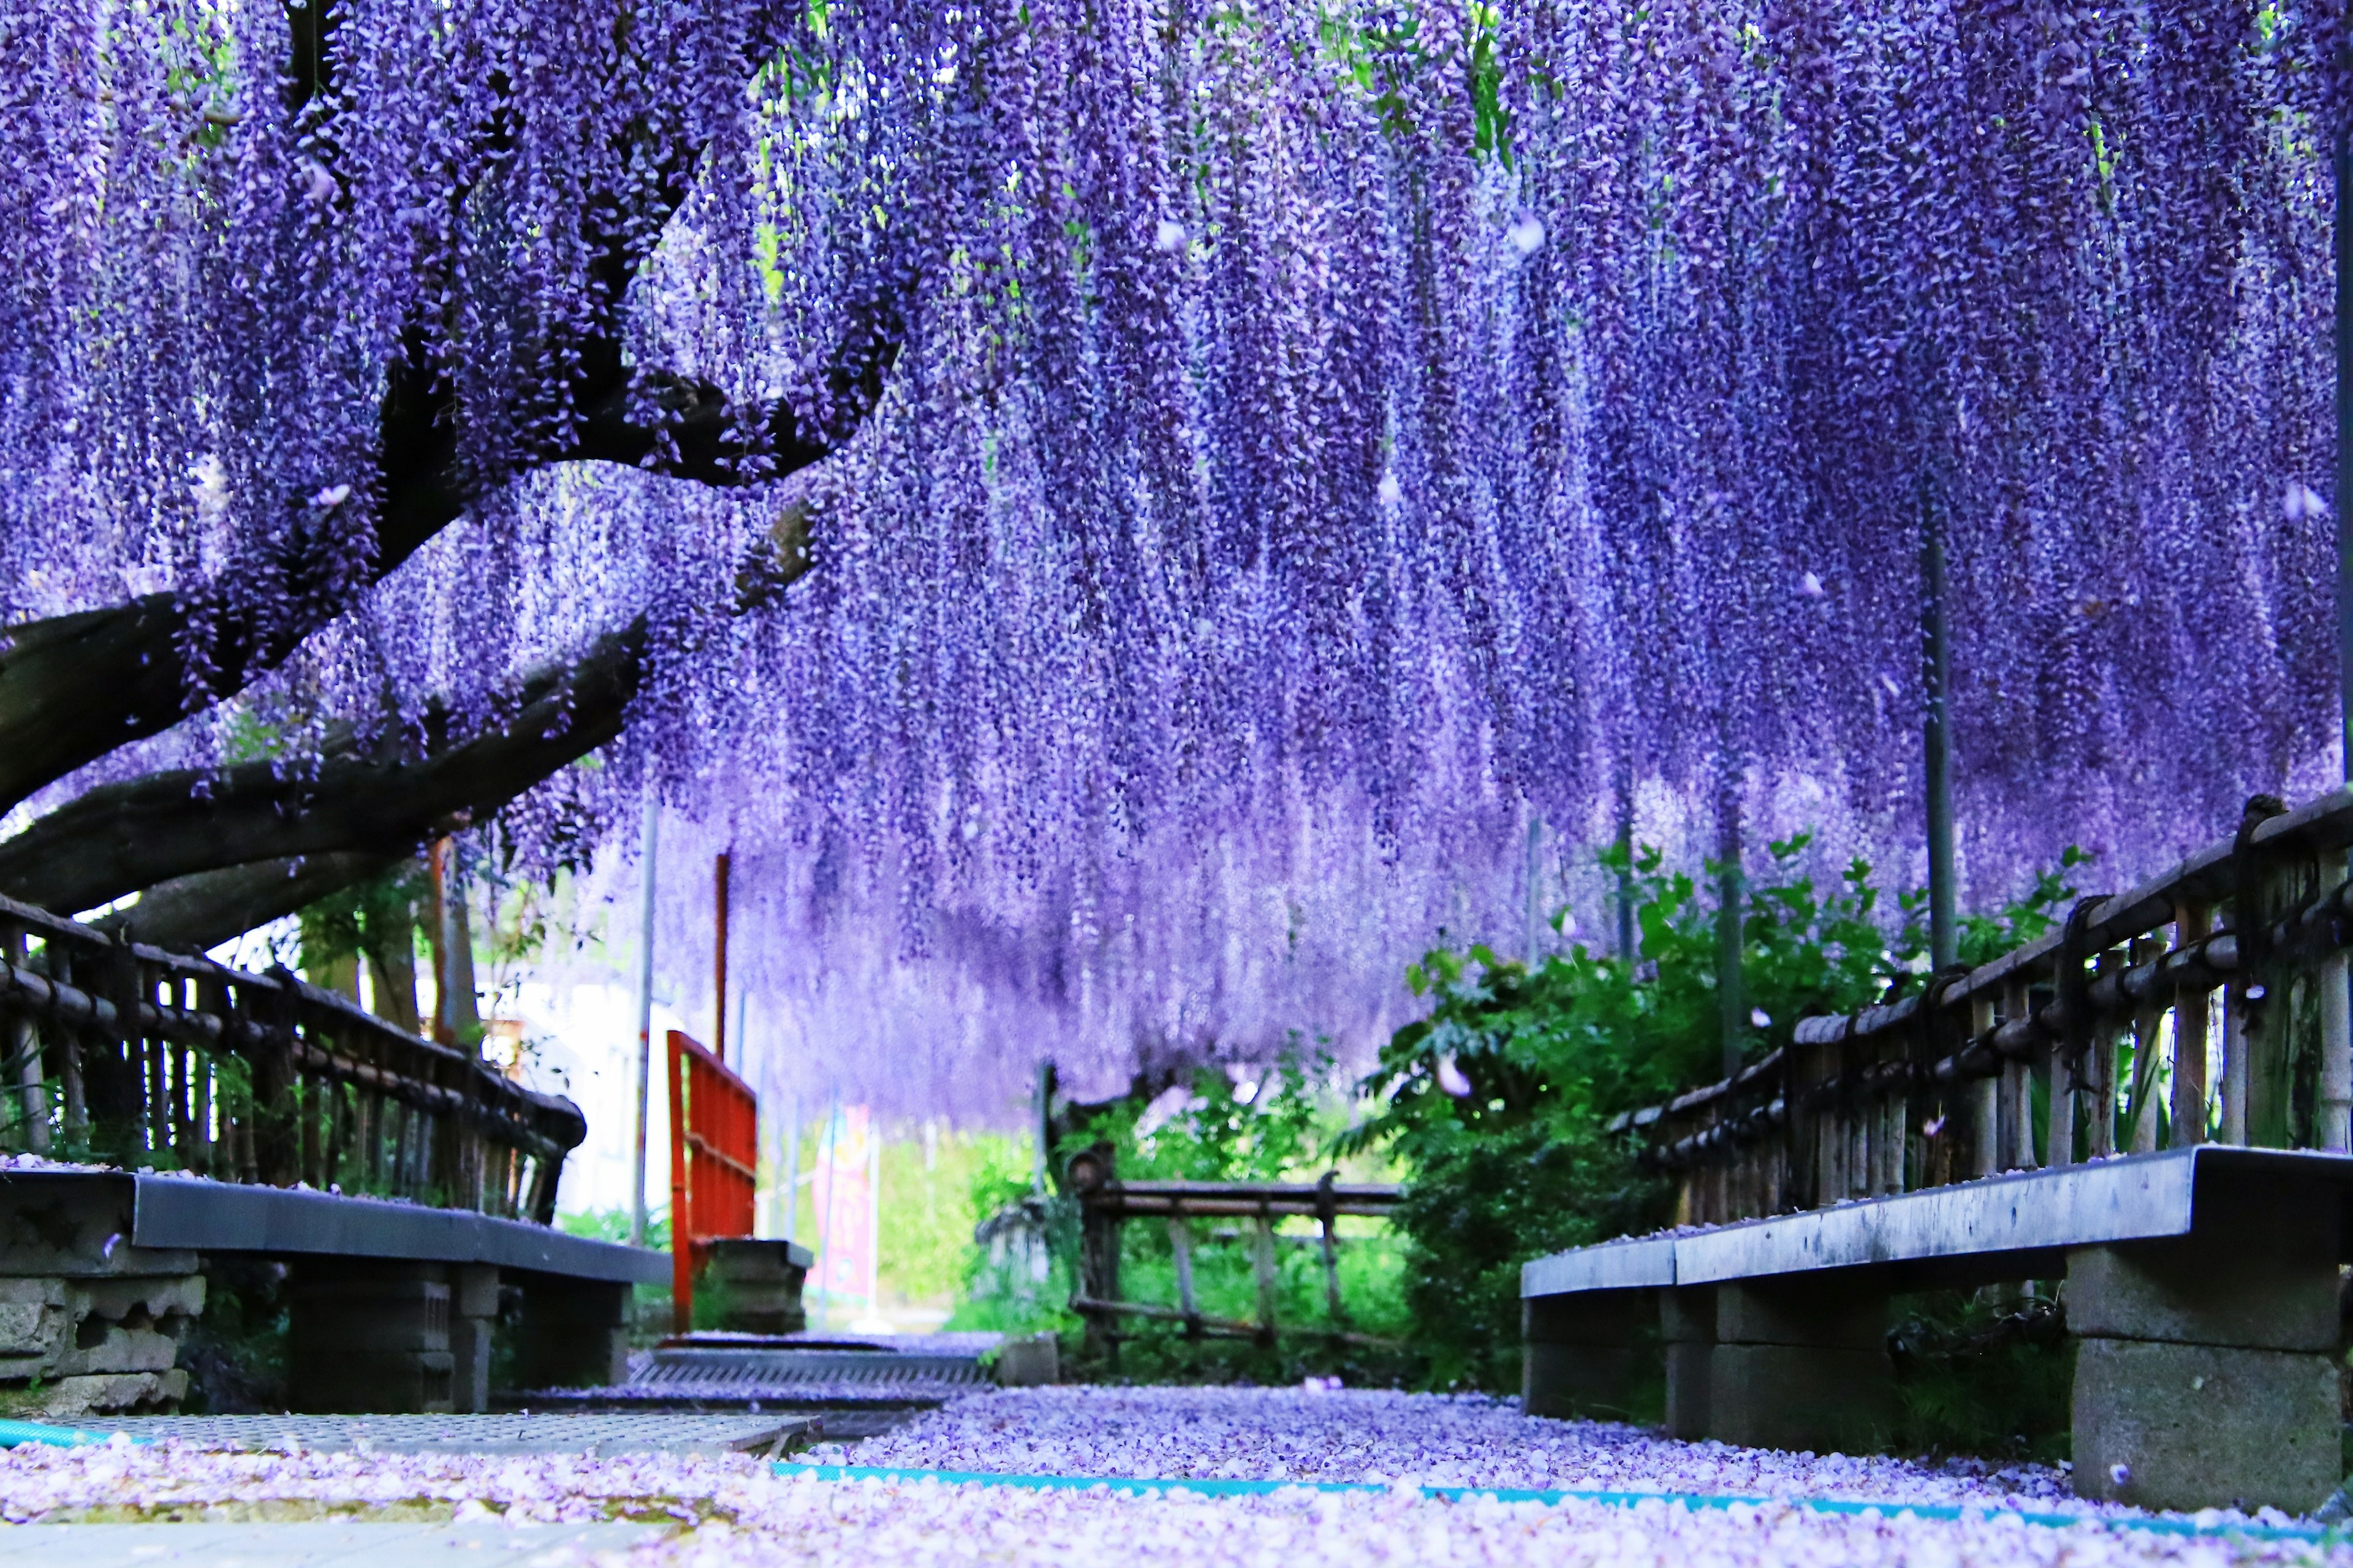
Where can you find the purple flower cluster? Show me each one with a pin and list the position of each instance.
(1313, 441)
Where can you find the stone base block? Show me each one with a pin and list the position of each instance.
(1689, 1363)
(122, 1331)
(1564, 1381)
(573, 1334)
(35, 1324)
(386, 1383)
(2191, 1426)
(760, 1281)
(1799, 1313)
(470, 1364)
(1029, 1363)
(99, 1346)
(370, 1337)
(113, 1394)
(2194, 1294)
(1823, 1398)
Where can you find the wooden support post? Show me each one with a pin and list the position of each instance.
(2237, 1028)
(2147, 1027)
(1984, 1098)
(2018, 1088)
(1180, 1243)
(1263, 1266)
(1327, 1218)
(2100, 1079)
(20, 1044)
(2058, 1134)
(2190, 1005)
(2335, 1131)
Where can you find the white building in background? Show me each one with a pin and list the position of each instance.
(580, 1040)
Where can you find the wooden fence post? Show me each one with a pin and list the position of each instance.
(1262, 1265)
(1180, 1243)
(1327, 1218)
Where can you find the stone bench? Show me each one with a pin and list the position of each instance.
(2202, 1284)
(390, 1305)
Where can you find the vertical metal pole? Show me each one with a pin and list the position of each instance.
(789, 1182)
(1534, 904)
(1944, 930)
(1045, 1127)
(1626, 865)
(2345, 444)
(1731, 998)
(873, 1215)
(719, 998)
(649, 844)
(829, 1153)
(2335, 1005)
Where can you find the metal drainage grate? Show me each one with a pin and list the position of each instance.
(602, 1432)
(729, 1368)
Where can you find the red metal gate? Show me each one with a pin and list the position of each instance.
(714, 1155)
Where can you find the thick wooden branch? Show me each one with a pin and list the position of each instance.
(217, 849)
(73, 688)
(189, 915)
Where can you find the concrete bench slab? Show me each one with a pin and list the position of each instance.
(2203, 1282)
(392, 1305)
(2019, 1226)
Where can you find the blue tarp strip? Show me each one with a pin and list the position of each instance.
(14, 1432)
(1134, 1486)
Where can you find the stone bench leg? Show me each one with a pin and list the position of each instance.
(2206, 1375)
(573, 1335)
(91, 1323)
(369, 1337)
(1801, 1364)
(473, 1321)
(1687, 1325)
(1583, 1354)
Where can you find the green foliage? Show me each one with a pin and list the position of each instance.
(613, 1224)
(1258, 1131)
(1499, 1102)
(1984, 938)
(1978, 1374)
(374, 917)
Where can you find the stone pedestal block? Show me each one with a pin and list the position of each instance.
(114, 1393)
(473, 1326)
(1031, 1363)
(1584, 1354)
(370, 1339)
(574, 1333)
(2193, 1426)
(1823, 1398)
(96, 1345)
(1687, 1325)
(2207, 1375)
(1801, 1364)
(759, 1281)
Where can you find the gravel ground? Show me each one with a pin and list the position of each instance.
(733, 1510)
(1388, 1438)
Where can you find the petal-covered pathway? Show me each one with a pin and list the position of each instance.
(736, 1509)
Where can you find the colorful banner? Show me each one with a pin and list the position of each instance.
(845, 1215)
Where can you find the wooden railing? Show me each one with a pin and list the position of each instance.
(1105, 1204)
(115, 1051)
(2106, 1025)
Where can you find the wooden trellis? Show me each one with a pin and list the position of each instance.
(2107, 1024)
(116, 1050)
(1107, 1205)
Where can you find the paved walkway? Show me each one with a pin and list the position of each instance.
(318, 1545)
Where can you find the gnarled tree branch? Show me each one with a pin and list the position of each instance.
(197, 838)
